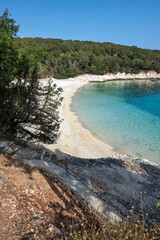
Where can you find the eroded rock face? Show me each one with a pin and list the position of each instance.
(129, 185)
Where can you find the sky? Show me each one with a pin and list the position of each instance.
(126, 22)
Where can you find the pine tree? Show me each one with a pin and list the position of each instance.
(28, 110)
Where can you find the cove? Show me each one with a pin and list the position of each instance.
(124, 114)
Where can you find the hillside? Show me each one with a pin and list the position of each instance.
(67, 58)
(37, 204)
(34, 204)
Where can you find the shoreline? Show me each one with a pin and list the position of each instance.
(94, 134)
(129, 79)
(76, 139)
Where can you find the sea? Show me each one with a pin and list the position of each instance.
(124, 114)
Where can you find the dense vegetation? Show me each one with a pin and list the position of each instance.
(63, 58)
(27, 111)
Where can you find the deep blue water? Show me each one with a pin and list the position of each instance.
(124, 114)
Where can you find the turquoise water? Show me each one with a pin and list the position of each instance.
(124, 114)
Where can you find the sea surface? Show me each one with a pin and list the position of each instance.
(124, 114)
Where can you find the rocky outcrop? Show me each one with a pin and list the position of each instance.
(128, 186)
(152, 75)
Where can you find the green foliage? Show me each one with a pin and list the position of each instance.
(63, 59)
(27, 111)
(7, 24)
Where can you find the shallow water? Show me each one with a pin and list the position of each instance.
(125, 114)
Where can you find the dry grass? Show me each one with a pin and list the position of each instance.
(89, 228)
(127, 230)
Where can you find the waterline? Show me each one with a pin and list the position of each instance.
(125, 114)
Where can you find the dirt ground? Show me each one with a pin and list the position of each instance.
(33, 205)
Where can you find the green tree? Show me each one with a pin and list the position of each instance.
(28, 110)
(66, 58)
(7, 24)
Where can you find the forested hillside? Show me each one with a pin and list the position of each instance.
(67, 58)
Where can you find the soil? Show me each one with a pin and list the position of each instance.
(33, 204)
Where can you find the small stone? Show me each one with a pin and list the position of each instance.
(29, 182)
(35, 219)
(53, 228)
